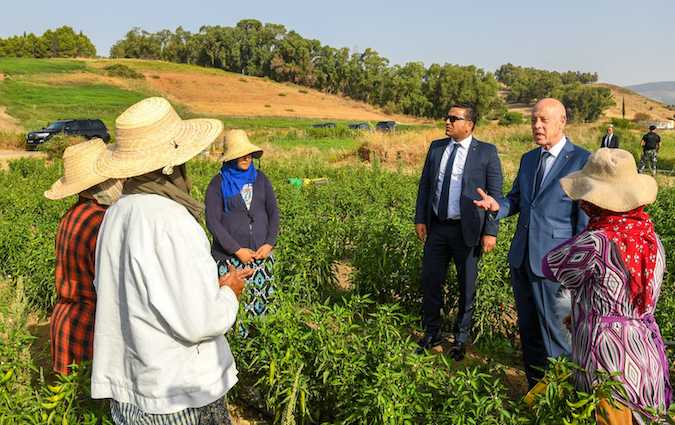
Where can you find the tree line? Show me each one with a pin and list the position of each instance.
(62, 42)
(584, 102)
(270, 50)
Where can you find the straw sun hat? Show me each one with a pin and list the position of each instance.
(238, 145)
(150, 135)
(610, 180)
(78, 170)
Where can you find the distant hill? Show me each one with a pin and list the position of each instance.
(635, 103)
(663, 91)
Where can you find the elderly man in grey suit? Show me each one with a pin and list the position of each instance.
(547, 218)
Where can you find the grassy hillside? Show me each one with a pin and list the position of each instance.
(34, 91)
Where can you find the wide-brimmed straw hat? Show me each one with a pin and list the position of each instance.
(150, 135)
(238, 145)
(610, 180)
(78, 170)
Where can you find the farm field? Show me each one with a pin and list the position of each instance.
(338, 345)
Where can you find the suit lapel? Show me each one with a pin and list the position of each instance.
(471, 155)
(437, 160)
(558, 165)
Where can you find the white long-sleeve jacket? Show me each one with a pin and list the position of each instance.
(160, 316)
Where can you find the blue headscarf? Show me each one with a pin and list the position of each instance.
(233, 179)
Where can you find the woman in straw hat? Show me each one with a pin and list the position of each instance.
(160, 352)
(72, 322)
(242, 216)
(614, 270)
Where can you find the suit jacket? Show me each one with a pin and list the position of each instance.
(550, 218)
(481, 170)
(614, 143)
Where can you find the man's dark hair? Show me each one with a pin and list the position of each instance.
(652, 127)
(470, 109)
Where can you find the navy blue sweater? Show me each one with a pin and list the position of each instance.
(241, 227)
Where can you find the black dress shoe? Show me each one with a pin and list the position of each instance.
(428, 341)
(457, 351)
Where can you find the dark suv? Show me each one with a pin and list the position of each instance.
(85, 128)
(386, 126)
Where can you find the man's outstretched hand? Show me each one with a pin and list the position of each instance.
(487, 202)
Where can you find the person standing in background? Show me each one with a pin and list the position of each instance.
(610, 140)
(651, 143)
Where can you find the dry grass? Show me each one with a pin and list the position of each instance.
(8, 124)
(401, 149)
(11, 140)
(211, 91)
(227, 95)
(89, 78)
(407, 150)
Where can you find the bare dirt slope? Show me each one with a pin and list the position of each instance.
(636, 103)
(217, 92)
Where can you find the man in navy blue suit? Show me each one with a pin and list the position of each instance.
(450, 225)
(547, 218)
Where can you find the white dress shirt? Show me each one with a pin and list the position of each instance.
(161, 317)
(554, 152)
(455, 179)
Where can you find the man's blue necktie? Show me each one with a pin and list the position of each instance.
(540, 172)
(445, 188)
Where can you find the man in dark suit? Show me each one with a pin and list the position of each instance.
(547, 218)
(610, 140)
(450, 225)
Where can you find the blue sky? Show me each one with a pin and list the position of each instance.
(626, 42)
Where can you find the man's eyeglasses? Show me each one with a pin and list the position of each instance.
(453, 118)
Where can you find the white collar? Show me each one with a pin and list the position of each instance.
(465, 142)
(557, 148)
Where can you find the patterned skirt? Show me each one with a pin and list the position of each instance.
(215, 413)
(259, 287)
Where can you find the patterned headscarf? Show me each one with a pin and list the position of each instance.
(633, 234)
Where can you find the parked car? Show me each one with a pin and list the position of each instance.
(86, 128)
(324, 125)
(386, 126)
(359, 126)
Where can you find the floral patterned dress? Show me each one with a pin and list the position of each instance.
(608, 333)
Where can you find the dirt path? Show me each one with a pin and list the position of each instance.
(9, 155)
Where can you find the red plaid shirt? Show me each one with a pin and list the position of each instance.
(72, 322)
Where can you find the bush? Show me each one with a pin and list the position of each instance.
(584, 103)
(511, 118)
(641, 117)
(55, 146)
(623, 123)
(330, 133)
(25, 395)
(123, 71)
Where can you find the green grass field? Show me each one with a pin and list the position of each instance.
(27, 66)
(37, 104)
